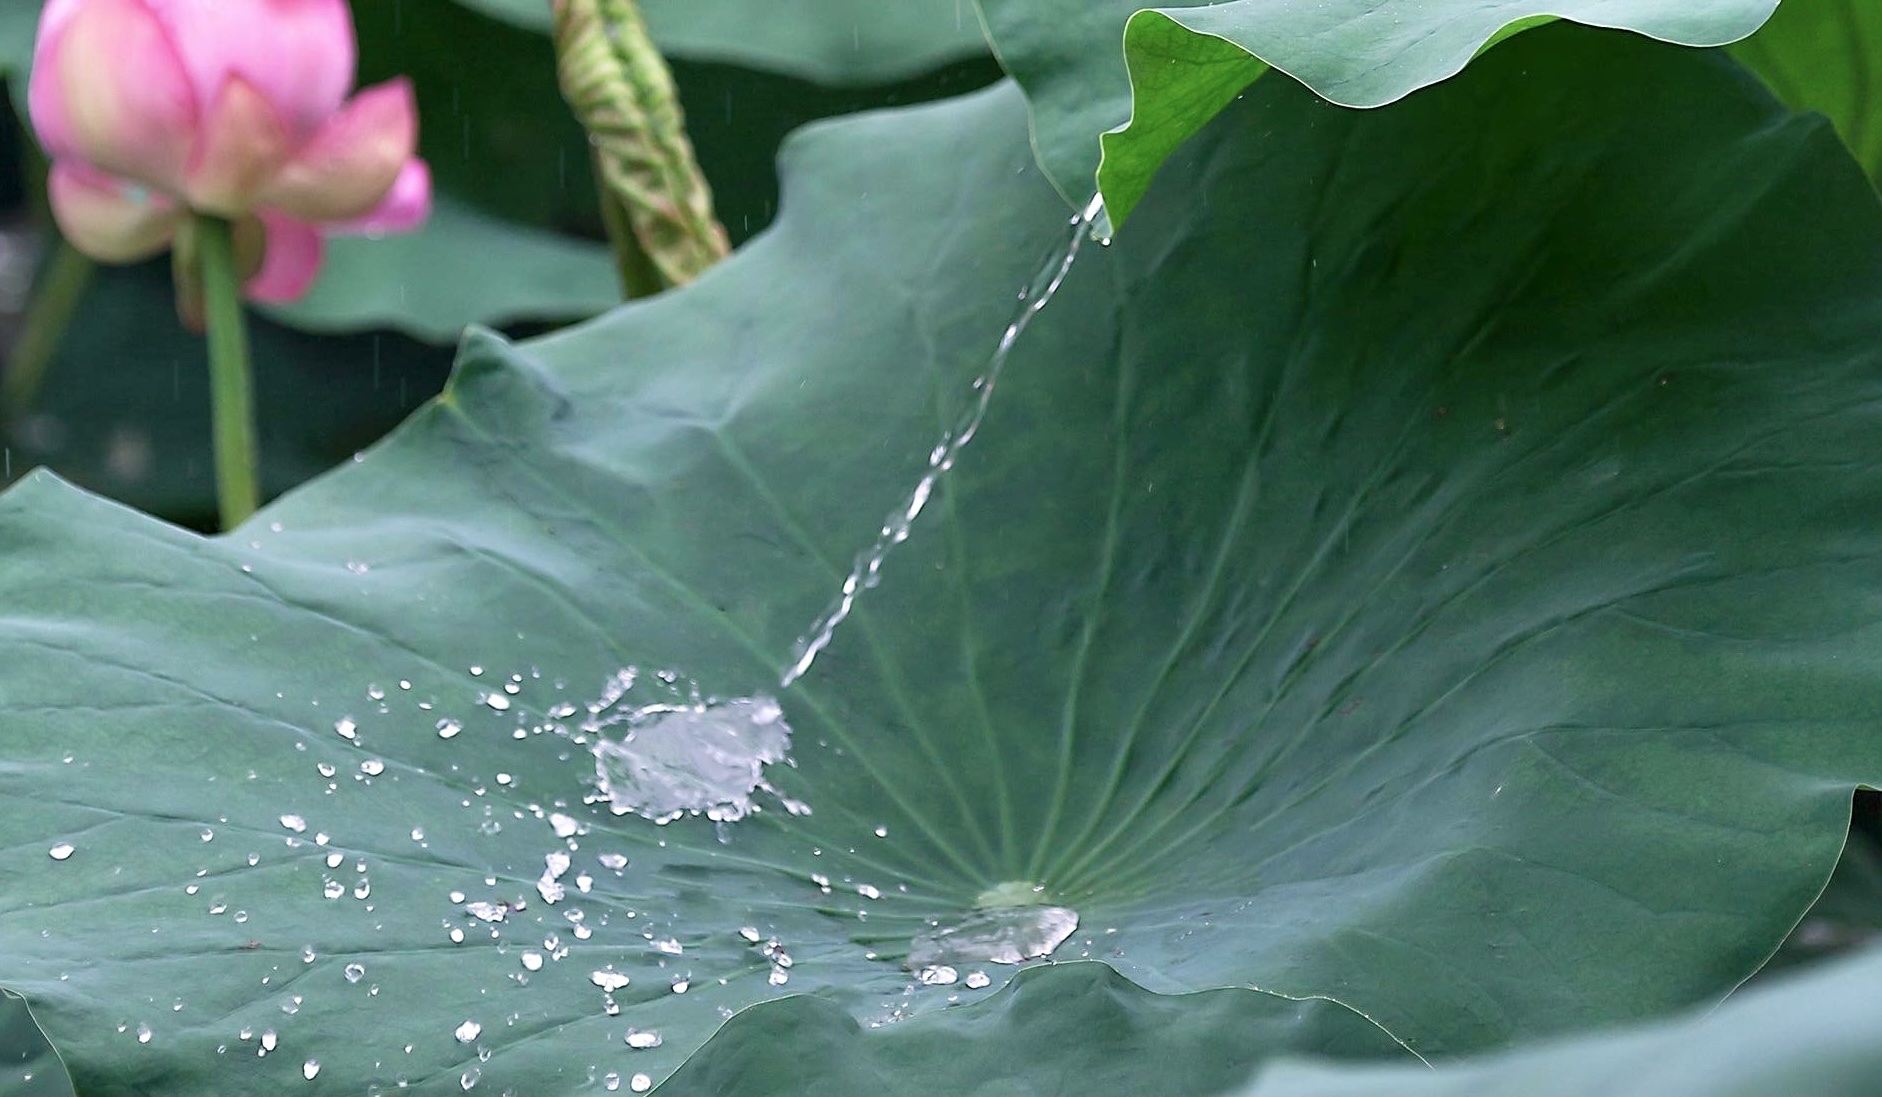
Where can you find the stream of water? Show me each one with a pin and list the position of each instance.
(866, 572)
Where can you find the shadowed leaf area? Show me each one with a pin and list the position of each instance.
(1422, 562)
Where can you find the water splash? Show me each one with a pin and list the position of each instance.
(697, 757)
(867, 570)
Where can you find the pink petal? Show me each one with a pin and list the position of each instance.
(353, 161)
(291, 263)
(108, 87)
(241, 144)
(112, 220)
(298, 53)
(406, 208)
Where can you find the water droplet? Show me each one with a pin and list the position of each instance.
(615, 861)
(143, 1034)
(208, 835)
(457, 936)
(937, 975)
(418, 834)
(372, 767)
(294, 823)
(218, 907)
(347, 729)
(307, 955)
(976, 980)
(868, 892)
(532, 960)
(669, 946)
(1010, 935)
(467, 1032)
(882, 832)
(609, 980)
(642, 1040)
(468, 1079)
(476, 671)
(334, 889)
(362, 889)
(268, 1040)
(698, 758)
(310, 1069)
(327, 769)
(354, 972)
(750, 933)
(61, 851)
(291, 1006)
(640, 1083)
(487, 912)
(681, 986)
(241, 916)
(778, 976)
(611, 1081)
(497, 702)
(254, 859)
(448, 729)
(565, 826)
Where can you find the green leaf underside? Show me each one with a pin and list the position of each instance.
(1810, 1034)
(1826, 55)
(1094, 119)
(1127, 1041)
(29, 1067)
(832, 41)
(1459, 608)
(434, 283)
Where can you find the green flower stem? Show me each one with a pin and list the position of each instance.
(231, 388)
(55, 301)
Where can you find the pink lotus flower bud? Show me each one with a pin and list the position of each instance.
(151, 109)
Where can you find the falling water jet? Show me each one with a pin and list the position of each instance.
(867, 570)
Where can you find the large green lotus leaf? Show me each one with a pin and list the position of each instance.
(1114, 116)
(1812, 1035)
(1826, 55)
(434, 283)
(29, 1066)
(1454, 601)
(830, 41)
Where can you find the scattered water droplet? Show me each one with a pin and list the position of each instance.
(615, 861)
(608, 980)
(937, 975)
(976, 980)
(354, 972)
(487, 912)
(448, 729)
(208, 835)
(642, 1040)
(497, 702)
(310, 1069)
(372, 767)
(750, 933)
(669, 946)
(640, 1083)
(294, 823)
(347, 729)
(532, 960)
(143, 1034)
(467, 1032)
(468, 1079)
(268, 1040)
(61, 851)
(308, 954)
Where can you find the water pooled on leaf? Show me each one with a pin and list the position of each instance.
(700, 758)
(1000, 935)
